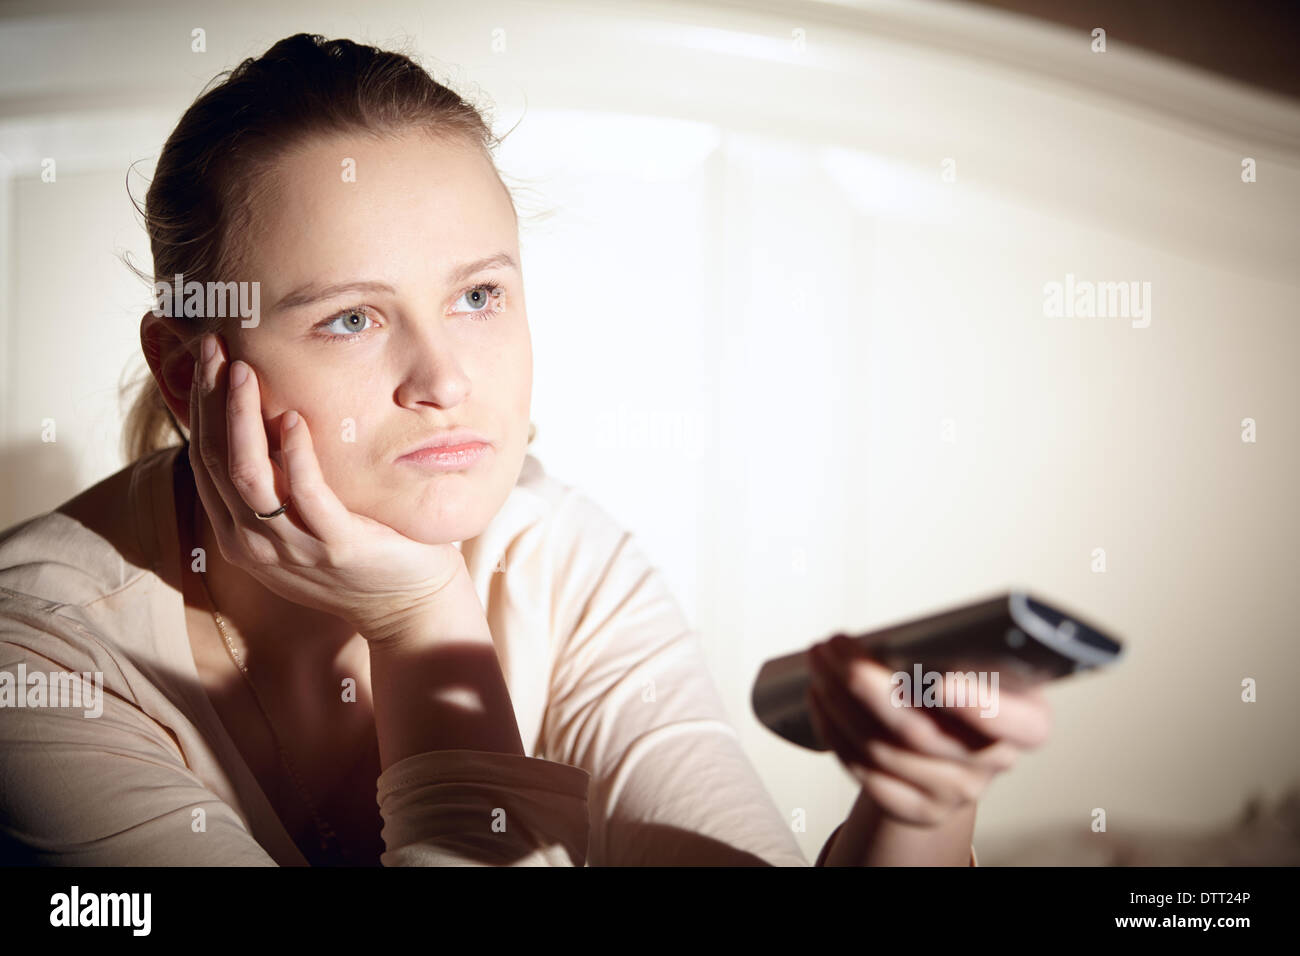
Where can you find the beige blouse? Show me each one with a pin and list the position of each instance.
(630, 758)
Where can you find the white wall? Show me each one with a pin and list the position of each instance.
(749, 238)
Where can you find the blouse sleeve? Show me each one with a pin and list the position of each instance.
(105, 790)
(633, 704)
(479, 808)
(114, 789)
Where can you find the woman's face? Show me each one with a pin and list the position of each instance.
(436, 338)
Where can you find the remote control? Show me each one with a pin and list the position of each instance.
(1024, 639)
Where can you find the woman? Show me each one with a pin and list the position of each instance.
(350, 620)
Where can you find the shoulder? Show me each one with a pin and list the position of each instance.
(38, 632)
(56, 559)
(567, 511)
(555, 550)
(592, 564)
(578, 535)
(85, 549)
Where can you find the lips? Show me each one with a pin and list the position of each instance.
(446, 441)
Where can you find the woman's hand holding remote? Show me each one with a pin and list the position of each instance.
(922, 770)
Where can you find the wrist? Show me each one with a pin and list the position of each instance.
(453, 610)
(870, 837)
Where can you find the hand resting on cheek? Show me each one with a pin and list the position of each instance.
(316, 553)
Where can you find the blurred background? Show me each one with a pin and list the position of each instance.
(787, 267)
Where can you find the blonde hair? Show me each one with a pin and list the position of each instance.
(211, 169)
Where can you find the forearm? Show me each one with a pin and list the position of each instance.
(437, 682)
(869, 838)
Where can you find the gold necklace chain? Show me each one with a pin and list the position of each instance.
(329, 842)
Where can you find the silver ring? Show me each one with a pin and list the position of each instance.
(271, 514)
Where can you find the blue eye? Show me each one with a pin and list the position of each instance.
(484, 299)
(354, 321)
(481, 302)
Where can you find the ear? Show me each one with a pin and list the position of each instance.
(171, 348)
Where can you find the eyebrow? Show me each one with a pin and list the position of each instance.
(314, 292)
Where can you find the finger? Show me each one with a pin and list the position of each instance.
(218, 514)
(314, 501)
(252, 473)
(261, 483)
(211, 441)
(951, 783)
(829, 733)
(249, 539)
(1022, 717)
(871, 686)
(898, 797)
(851, 718)
(917, 729)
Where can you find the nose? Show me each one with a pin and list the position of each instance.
(431, 371)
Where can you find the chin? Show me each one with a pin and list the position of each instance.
(441, 512)
(429, 528)
(427, 532)
(435, 509)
